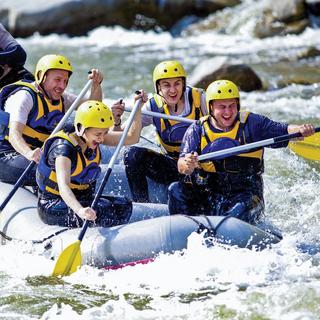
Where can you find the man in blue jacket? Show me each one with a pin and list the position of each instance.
(231, 185)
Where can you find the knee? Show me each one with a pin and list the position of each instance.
(174, 190)
(134, 156)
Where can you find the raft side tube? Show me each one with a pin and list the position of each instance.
(140, 241)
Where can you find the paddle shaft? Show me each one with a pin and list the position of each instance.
(163, 116)
(110, 166)
(57, 128)
(247, 147)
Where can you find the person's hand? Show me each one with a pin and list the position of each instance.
(190, 162)
(33, 155)
(141, 94)
(117, 109)
(306, 130)
(96, 76)
(87, 213)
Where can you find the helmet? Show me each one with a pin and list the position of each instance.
(221, 89)
(167, 70)
(51, 61)
(93, 114)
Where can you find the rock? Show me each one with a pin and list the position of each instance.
(288, 10)
(217, 69)
(78, 17)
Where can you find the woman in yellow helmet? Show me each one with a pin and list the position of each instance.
(32, 110)
(172, 97)
(231, 185)
(69, 167)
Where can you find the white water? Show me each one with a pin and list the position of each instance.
(204, 283)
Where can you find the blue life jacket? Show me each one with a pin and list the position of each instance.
(171, 132)
(42, 119)
(84, 171)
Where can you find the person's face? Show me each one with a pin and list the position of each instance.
(224, 112)
(171, 90)
(94, 137)
(55, 82)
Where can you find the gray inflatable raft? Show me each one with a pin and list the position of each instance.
(149, 232)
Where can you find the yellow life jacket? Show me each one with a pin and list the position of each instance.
(171, 132)
(43, 117)
(250, 160)
(84, 171)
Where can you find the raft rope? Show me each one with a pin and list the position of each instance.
(6, 237)
(211, 230)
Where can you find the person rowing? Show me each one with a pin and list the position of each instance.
(29, 112)
(69, 167)
(232, 185)
(172, 97)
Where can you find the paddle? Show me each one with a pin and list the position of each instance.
(163, 116)
(57, 128)
(247, 147)
(70, 258)
(308, 148)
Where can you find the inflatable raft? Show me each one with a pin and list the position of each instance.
(150, 231)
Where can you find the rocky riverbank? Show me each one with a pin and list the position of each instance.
(75, 18)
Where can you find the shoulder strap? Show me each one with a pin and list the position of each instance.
(196, 100)
(243, 116)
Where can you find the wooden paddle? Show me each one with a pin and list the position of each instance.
(57, 128)
(247, 147)
(308, 148)
(70, 258)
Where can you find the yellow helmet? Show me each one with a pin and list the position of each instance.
(167, 70)
(222, 89)
(51, 61)
(93, 114)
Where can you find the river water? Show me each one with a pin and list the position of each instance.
(204, 283)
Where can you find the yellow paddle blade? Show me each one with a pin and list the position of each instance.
(69, 260)
(308, 148)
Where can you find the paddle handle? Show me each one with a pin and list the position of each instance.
(17, 185)
(110, 166)
(250, 146)
(163, 116)
(72, 108)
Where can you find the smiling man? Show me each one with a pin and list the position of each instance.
(233, 185)
(172, 97)
(31, 111)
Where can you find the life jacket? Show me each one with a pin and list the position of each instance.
(249, 162)
(84, 171)
(42, 119)
(171, 132)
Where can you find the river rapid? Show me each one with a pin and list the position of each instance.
(203, 283)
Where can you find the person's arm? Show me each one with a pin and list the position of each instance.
(113, 137)
(117, 111)
(188, 159)
(306, 130)
(19, 144)
(63, 170)
(95, 94)
(19, 106)
(96, 90)
(188, 163)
